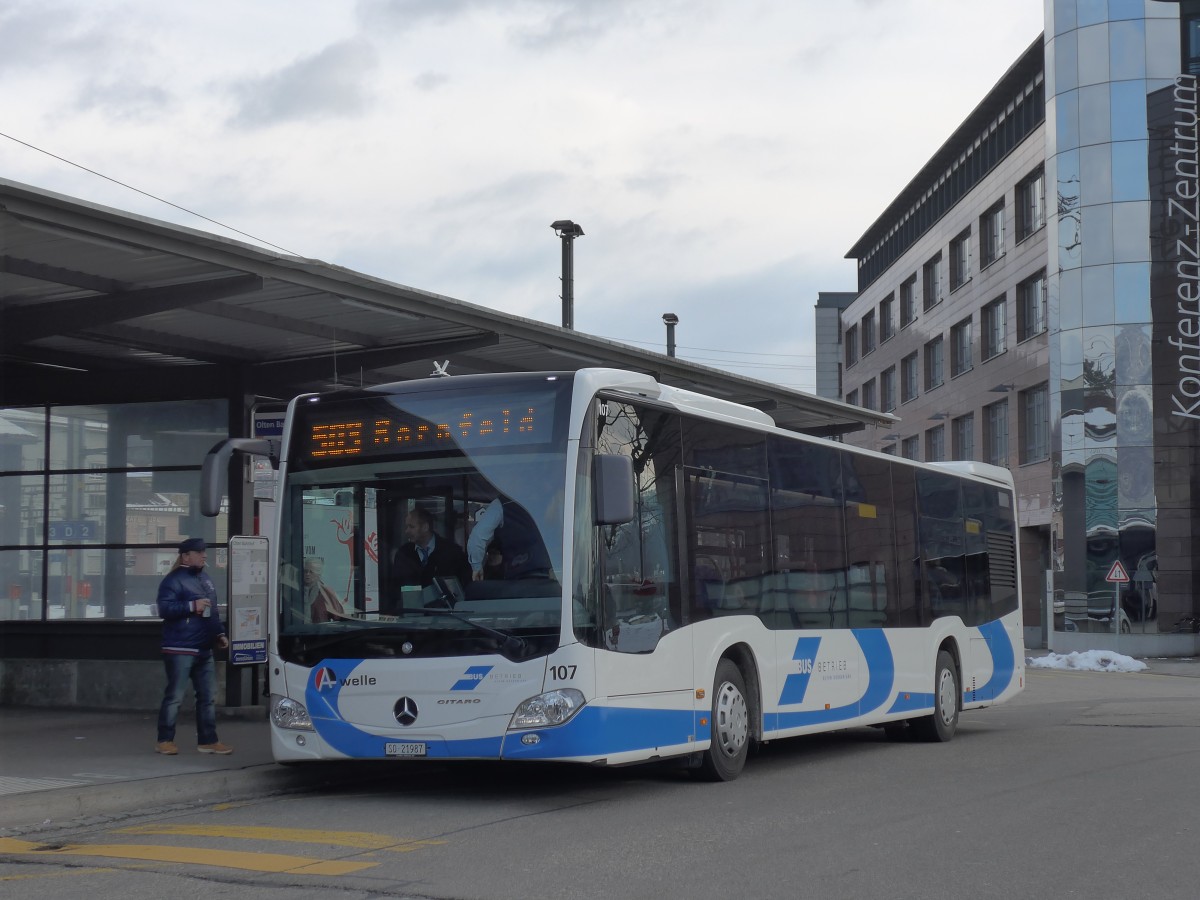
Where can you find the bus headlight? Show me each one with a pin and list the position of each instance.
(550, 708)
(287, 713)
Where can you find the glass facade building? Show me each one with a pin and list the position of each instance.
(1121, 154)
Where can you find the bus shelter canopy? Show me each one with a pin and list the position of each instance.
(96, 304)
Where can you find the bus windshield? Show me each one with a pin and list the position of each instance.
(424, 521)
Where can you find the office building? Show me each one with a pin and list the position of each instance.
(1032, 299)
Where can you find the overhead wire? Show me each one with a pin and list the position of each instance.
(219, 224)
(190, 212)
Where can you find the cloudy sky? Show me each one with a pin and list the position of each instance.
(721, 156)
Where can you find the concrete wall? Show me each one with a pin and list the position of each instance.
(1139, 646)
(91, 684)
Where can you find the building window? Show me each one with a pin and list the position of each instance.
(887, 388)
(94, 500)
(935, 444)
(991, 235)
(908, 378)
(960, 260)
(960, 348)
(851, 345)
(1189, 24)
(852, 397)
(910, 447)
(1031, 306)
(934, 363)
(932, 282)
(963, 436)
(1035, 424)
(908, 301)
(887, 318)
(869, 400)
(1031, 204)
(995, 433)
(868, 332)
(994, 329)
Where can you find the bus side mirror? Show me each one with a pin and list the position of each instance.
(217, 462)
(612, 483)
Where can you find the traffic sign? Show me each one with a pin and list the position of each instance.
(1117, 574)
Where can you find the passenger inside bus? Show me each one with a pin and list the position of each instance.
(319, 598)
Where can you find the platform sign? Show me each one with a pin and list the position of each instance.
(73, 531)
(1117, 574)
(249, 584)
(264, 475)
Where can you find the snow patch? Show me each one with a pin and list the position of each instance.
(1088, 661)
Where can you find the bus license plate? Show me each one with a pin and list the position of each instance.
(408, 748)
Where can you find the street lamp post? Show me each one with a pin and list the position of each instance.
(670, 320)
(568, 231)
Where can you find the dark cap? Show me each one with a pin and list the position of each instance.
(191, 544)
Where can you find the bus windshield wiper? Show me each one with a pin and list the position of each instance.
(358, 634)
(449, 593)
(511, 646)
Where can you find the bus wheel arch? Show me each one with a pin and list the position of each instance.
(947, 697)
(735, 719)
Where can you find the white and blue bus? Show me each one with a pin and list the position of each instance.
(673, 577)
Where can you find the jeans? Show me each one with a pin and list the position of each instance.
(180, 667)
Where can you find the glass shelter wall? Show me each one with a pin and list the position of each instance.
(94, 500)
(1110, 66)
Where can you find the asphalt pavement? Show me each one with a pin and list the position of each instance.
(62, 766)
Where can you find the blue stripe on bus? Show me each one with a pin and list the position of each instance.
(881, 668)
(910, 702)
(795, 686)
(597, 731)
(471, 679)
(357, 744)
(594, 731)
(603, 730)
(1000, 646)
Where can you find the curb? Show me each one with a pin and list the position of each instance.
(38, 810)
(60, 808)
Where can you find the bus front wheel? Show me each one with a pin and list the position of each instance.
(941, 725)
(729, 726)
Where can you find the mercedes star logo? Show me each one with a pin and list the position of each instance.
(405, 710)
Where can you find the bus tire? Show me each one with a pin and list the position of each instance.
(729, 726)
(947, 695)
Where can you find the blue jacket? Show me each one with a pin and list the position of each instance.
(185, 630)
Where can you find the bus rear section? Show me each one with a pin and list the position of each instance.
(776, 584)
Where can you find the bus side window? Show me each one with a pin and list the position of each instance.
(941, 524)
(638, 569)
(808, 520)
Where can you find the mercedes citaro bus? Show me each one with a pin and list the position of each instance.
(662, 575)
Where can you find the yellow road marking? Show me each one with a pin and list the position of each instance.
(68, 873)
(225, 859)
(360, 840)
(12, 845)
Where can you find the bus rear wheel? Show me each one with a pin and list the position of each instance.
(729, 726)
(941, 725)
